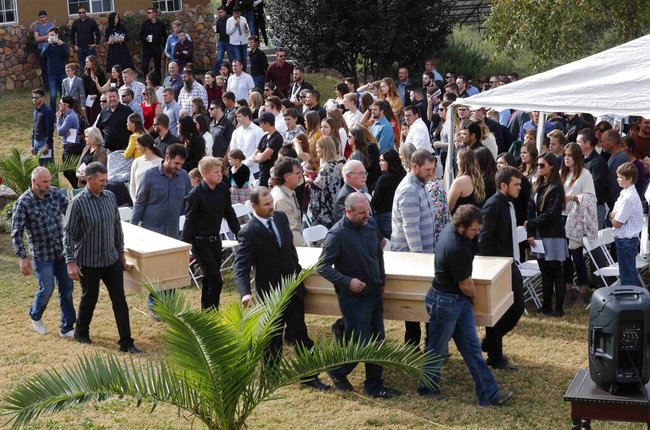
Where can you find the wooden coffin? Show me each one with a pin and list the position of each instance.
(408, 279)
(155, 257)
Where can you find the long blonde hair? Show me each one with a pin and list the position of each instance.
(328, 146)
(468, 165)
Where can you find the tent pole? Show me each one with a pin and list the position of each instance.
(448, 176)
(540, 131)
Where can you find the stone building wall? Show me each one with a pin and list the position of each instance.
(20, 69)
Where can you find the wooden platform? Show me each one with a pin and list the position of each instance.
(408, 279)
(155, 257)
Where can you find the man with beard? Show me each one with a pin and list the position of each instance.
(190, 90)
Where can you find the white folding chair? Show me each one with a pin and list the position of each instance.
(607, 236)
(125, 213)
(314, 234)
(607, 270)
(243, 211)
(195, 271)
(228, 243)
(532, 276)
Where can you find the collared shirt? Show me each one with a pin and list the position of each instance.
(265, 223)
(412, 219)
(289, 135)
(172, 111)
(280, 75)
(185, 98)
(628, 210)
(240, 85)
(284, 200)
(280, 125)
(221, 132)
(237, 33)
(246, 140)
(66, 122)
(158, 32)
(352, 119)
(163, 143)
(42, 219)
(419, 135)
(136, 108)
(295, 88)
(383, 132)
(74, 87)
(136, 87)
(93, 231)
(159, 200)
(176, 84)
(43, 125)
(613, 164)
(258, 62)
(171, 42)
(402, 88)
(84, 33)
(204, 210)
(113, 126)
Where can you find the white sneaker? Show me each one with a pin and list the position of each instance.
(67, 333)
(39, 326)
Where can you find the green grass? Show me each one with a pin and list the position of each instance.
(547, 351)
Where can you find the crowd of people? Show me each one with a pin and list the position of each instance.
(368, 160)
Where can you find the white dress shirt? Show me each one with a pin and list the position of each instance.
(240, 85)
(246, 140)
(280, 125)
(265, 222)
(352, 119)
(419, 135)
(628, 210)
(238, 34)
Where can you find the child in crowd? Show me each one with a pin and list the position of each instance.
(627, 220)
(195, 176)
(493, 115)
(239, 174)
(309, 167)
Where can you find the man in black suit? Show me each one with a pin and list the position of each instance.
(354, 175)
(498, 239)
(266, 242)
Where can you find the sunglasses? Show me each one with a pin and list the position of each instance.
(602, 130)
(155, 123)
(542, 165)
(103, 101)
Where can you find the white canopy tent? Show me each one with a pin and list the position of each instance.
(615, 81)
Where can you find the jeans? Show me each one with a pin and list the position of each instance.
(55, 82)
(363, 317)
(83, 53)
(208, 255)
(46, 273)
(113, 278)
(259, 81)
(42, 61)
(250, 20)
(38, 146)
(239, 52)
(223, 47)
(451, 316)
(627, 250)
(384, 224)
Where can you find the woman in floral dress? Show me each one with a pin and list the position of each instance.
(326, 186)
(441, 217)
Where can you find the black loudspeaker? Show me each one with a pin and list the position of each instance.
(619, 338)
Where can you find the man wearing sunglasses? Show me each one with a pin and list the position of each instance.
(280, 72)
(84, 35)
(153, 35)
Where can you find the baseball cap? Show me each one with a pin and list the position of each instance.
(266, 117)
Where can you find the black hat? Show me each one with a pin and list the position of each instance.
(266, 117)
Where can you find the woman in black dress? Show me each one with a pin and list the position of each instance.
(116, 37)
(193, 141)
(382, 198)
(94, 80)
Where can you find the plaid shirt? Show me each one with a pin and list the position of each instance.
(184, 98)
(42, 219)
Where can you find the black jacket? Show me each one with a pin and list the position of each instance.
(546, 222)
(113, 126)
(339, 205)
(204, 210)
(195, 151)
(221, 132)
(495, 239)
(258, 248)
(597, 166)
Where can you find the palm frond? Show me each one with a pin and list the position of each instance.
(16, 169)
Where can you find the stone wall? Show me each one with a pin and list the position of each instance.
(20, 69)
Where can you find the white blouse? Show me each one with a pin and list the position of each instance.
(583, 185)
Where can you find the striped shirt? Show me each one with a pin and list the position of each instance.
(412, 221)
(92, 233)
(42, 219)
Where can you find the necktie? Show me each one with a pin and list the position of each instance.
(513, 227)
(270, 224)
(239, 27)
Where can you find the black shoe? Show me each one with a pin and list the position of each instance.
(340, 382)
(483, 345)
(435, 396)
(502, 398)
(82, 339)
(557, 313)
(316, 384)
(543, 311)
(501, 364)
(338, 328)
(382, 392)
(132, 349)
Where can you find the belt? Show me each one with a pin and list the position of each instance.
(214, 238)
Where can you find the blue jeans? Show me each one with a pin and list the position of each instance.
(259, 81)
(250, 20)
(222, 48)
(240, 53)
(55, 81)
(363, 317)
(83, 53)
(451, 316)
(384, 223)
(46, 273)
(626, 252)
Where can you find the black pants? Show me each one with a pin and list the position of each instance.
(208, 255)
(147, 55)
(293, 318)
(493, 343)
(42, 61)
(413, 333)
(260, 26)
(113, 279)
(552, 279)
(72, 151)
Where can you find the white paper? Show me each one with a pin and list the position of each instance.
(81, 168)
(73, 135)
(90, 101)
(539, 247)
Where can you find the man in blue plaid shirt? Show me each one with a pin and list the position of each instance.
(39, 211)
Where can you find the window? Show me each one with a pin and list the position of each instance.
(168, 5)
(8, 11)
(93, 6)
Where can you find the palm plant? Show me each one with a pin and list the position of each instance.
(17, 166)
(213, 368)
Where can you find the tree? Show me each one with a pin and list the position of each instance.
(560, 31)
(373, 34)
(213, 367)
(17, 166)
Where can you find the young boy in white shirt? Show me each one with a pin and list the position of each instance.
(627, 220)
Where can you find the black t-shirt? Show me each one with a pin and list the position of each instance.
(273, 141)
(453, 261)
